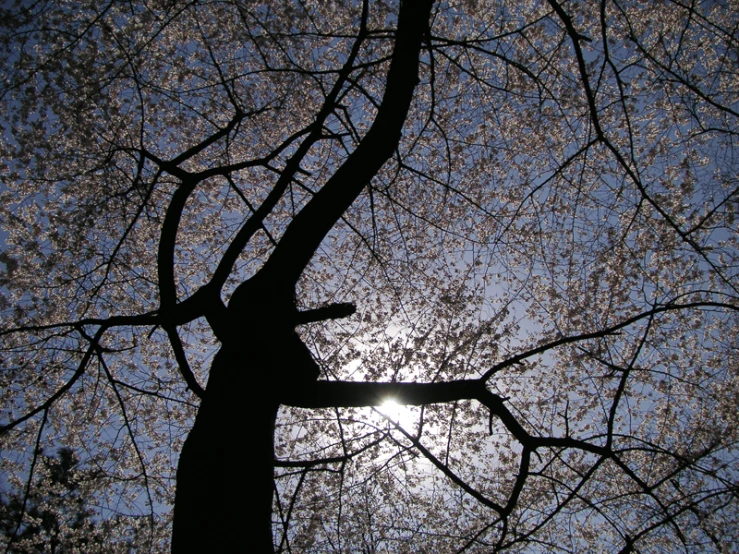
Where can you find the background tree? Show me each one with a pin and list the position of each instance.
(531, 204)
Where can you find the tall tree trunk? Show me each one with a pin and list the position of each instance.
(227, 462)
(228, 459)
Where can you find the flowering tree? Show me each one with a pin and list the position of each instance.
(235, 230)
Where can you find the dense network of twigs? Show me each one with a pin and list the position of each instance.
(531, 204)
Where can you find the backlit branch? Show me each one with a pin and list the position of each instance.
(309, 227)
(292, 167)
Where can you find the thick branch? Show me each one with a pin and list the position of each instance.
(315, 220)
(350, 394)
(332, 311)
(292, 166)
(167, 242)
(347, 394)
(179, 354)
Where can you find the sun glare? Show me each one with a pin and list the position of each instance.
(398, 413)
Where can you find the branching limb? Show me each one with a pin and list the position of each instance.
(612, 330)
(332, 460)
(81, 368)
(348, 394)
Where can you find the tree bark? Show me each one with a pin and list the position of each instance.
(227, 463)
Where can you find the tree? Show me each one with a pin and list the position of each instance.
(530, 205)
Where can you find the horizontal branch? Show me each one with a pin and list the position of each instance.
(145, 319)
(350, 394)
(332, 311)
(331, 460)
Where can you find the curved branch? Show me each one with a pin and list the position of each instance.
(309, 227)
(612, 330)
(167, 242)
(292, 166)
(453, 477)
(179, 354)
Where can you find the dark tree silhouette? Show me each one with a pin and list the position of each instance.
(234, 231)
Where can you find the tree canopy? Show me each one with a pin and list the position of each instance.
(235, 230)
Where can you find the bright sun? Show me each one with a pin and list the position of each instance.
(403, 415)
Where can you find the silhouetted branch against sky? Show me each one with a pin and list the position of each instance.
(233, 231)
